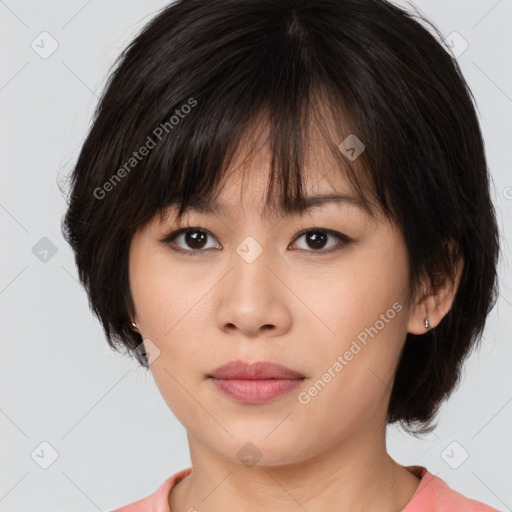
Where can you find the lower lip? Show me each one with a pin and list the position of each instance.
(255, 391)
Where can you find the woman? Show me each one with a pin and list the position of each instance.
(282, 210)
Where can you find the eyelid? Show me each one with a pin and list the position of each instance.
(168, 239)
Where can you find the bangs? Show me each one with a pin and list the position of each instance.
(295, 102)
(293, 145)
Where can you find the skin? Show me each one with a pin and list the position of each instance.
(296, 306)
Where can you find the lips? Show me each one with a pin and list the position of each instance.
(260, 370)
(255, 383)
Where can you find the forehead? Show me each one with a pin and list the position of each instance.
(244, 187)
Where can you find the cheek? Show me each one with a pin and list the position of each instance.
(170, 305)
(360, 327)
(366, 291)
(353, 376)
(163, 295)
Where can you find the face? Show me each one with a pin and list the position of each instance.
(324, 294)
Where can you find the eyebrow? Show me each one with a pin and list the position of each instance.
(213, 206)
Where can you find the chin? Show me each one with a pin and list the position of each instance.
(259, 448)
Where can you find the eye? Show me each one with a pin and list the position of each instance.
(194, 238)
(317, 239)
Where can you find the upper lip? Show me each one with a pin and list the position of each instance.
(254, 371)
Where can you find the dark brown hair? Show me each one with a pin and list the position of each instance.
(202, 74)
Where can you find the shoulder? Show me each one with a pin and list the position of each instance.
(435, 495)
(157, 501)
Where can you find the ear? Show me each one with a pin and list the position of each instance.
(435, 304)
(133, 326)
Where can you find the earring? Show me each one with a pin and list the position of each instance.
(427, 324)
(134, 324)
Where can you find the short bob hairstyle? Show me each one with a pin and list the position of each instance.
(197, 79)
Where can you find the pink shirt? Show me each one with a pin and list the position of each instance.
(432, 495)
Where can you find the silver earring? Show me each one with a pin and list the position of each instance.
(427, 324)
(134, 324)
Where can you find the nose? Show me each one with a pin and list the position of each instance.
(253, 299)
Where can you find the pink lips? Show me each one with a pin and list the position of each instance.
(255, 383)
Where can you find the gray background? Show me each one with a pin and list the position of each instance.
(115, 438)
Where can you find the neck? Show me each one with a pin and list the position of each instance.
(354, 474)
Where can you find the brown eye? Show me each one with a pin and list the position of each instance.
(316, 240)
(189, 240)
(195, 239)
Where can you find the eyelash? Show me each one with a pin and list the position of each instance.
(169, 240)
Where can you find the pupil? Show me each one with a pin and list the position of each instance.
(318, 238)
(192, 238)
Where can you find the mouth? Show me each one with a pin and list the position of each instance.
(255, 383)
(260, 370)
